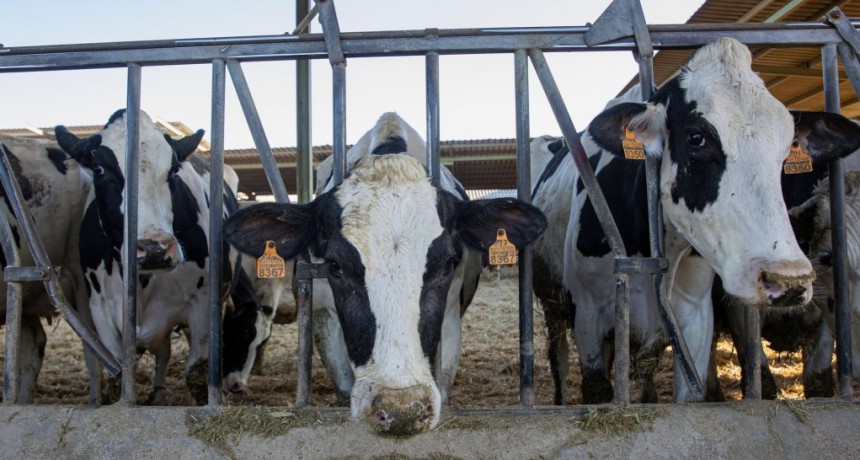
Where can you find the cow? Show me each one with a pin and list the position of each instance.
(172, 246)
(54, 189)
(722, 139)
(394, 245)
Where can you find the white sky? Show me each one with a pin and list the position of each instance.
(477, 92)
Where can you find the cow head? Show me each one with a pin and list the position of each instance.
(246, 326)
(723, 138)
(160, 160)
(392, 242)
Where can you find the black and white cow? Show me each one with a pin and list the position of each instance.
(394, 245)
(55, 189)
(172, 245)
(722, 138)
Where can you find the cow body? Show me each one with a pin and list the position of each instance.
(55, 189)
(722, 139)
(394, 245)
(172, 246)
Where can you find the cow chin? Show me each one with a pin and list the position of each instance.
(396, 411)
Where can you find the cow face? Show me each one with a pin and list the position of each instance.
(723, 139)
(160, 161)
(392, 242)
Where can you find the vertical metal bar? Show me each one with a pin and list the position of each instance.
(11, 379)
(830, 71)
(129, 311)
(622, 339)
(304, 304)
(276, 182)
(526, 289)
(752, 339)
(432, 78)
(339, 121)
(304, 144)
(216, 217)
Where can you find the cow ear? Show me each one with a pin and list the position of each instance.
(647, 122)
(291, 226)
(187, 145)
(825, 136)
(478, 222)
(81, 150)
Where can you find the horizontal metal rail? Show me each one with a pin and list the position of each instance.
(397, 43)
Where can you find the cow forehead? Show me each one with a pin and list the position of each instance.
(155, 153)
(389, 209)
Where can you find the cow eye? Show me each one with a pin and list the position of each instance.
(695, 139)
(98, 170)
(334, 269)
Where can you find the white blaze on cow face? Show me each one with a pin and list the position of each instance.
(157, 248)
(392, 235)
(727, 142)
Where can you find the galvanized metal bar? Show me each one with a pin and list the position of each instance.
(11, 362)
(752, 339)
(433, 142)
(307, 16)
(12, 273)
(577, 151)
(339, 168)
(622, 339)
(845, 28)
(304, 143)
(331, 32)
(524, 186)
(304, 318)
(838, 233)
(216, 240)
(396, 43)
(129, 265)
(276, 182)
(40, 257)
(852, 66)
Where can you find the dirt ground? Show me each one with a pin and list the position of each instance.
(488, 374)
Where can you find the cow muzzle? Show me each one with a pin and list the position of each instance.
(784, 288)
(157, 254)
(233, 383)
(403, 412)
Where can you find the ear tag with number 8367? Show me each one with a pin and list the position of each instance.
(503, 252)
(270, 264)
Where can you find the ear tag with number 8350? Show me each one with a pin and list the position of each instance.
(798, 161)
(633, 148)
(503, 252)
(270, 264)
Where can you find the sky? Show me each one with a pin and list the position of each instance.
(476, 92)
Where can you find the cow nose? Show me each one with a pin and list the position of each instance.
(237, 387)
(398, 413)
(783, 290)
(154, 254)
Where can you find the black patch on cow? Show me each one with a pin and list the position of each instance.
(460, 191)
(798, 188)
(393, 144)
(551, 167)
(624, 186)
(239, 325)
(58, 158)
(96, 248)
(700, 169)
(108, 181)
(442, 261)
(95, 283)
(116, 115)
(200, 283)
(23, 181)
(200, 164)
(186, 228)
(144, 280)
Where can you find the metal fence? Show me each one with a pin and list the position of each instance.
(621, 27)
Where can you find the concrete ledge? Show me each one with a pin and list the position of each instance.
(818, 429)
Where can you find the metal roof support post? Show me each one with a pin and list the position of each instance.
(216, 240)
(830, 69)
(526, 289)
(304, 144)
(276, 182)
(432, 81)
(132, 165)
(11, 381)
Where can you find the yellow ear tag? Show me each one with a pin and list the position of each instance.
(633, 149)
(270, 264)
(503, 252)
(798, 161)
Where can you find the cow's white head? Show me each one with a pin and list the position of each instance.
(723, 138)
(392, 242)
(160, 160)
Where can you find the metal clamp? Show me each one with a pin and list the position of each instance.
(26, 274)
(310, 270)
(632, 265)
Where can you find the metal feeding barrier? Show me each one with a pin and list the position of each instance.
(621, 27)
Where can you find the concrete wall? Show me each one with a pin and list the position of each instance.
(825, 429)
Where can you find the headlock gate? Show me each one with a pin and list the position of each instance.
(621, 27)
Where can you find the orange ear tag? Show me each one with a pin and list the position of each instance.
(633, 149)
(798, 161)
(270, 264)
(503, 252)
